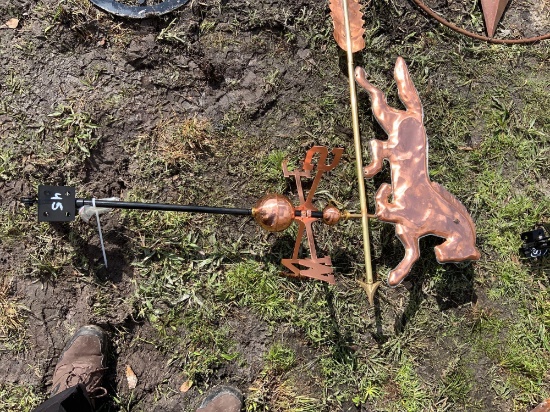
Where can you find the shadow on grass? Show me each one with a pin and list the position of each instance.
(343, 343)
(115, 250)
(451, 285)
(283, 248)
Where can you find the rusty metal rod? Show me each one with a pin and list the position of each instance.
(460, 30)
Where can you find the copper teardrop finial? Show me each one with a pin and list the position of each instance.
(273, 212)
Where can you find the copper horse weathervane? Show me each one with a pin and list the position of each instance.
(419, 207)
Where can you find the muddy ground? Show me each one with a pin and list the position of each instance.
(93, 101)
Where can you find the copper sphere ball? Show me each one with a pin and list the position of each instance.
(273, 212)
(331, 215)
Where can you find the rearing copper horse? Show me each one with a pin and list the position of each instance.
(419, 207)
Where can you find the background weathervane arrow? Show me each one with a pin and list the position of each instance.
(492, 12)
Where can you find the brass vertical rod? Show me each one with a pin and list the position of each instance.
(369, 286)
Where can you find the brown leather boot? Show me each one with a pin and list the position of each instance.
(82, 361)
(222, 399)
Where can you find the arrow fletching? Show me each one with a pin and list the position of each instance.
(356, 24)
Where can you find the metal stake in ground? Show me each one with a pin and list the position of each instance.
(348, 32)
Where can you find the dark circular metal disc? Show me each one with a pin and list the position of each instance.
(138, 12)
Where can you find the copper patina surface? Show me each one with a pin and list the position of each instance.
(331, 215)
(418, 207)
(273, 212)
(356, 24)
(543, 407)
(319, 268)
(492, 12)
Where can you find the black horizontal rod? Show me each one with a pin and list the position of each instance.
(114, 204)
(164, 207)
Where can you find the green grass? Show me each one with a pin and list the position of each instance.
(249, 286)
(457, 338)
(78, 131)
(414, 396)
(280, 358)
(19, 398)
(13, 315)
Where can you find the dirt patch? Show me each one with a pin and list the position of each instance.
(85, 98)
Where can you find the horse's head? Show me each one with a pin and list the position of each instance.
(388, 117)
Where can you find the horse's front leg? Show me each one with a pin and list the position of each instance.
(381, 200)
(412, 253)
(378, 152)
(385, 210)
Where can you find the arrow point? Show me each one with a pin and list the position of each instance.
(370, 289)
(492, 12)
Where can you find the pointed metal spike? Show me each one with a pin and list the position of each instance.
(492, 12)
(370, 289)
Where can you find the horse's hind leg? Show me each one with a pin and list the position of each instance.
(412, 252)
(458, 250)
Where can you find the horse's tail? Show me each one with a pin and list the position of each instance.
(457, 205)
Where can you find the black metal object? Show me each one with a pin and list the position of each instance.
(28, 201)
(56, 203)
(535, 244)
(138, 12)
(114, 204)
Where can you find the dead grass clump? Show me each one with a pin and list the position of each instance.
(183, 143)
(11, 315)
